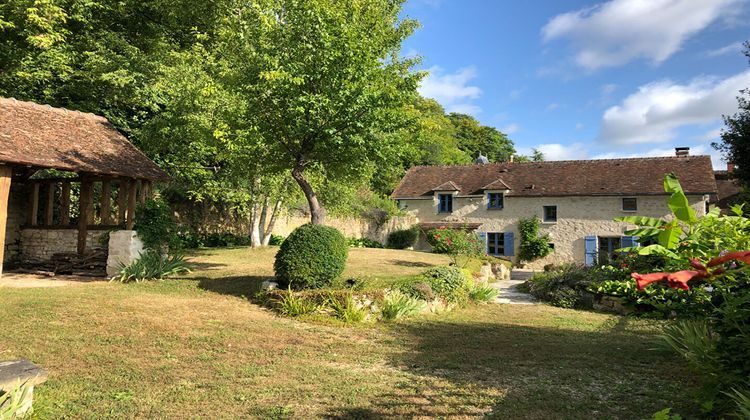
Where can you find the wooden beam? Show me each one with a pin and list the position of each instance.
(85, 205)
(141, 192)
(65, 204)
(5, 178)
(50, 207)
(122, 201)
(148, 189)
(33, 205)
(106, 205)
(132, 189)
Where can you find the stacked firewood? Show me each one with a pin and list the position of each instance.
(90, 264)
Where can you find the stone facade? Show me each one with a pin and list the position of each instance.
(577, 217)
(124, 248)
(41, 244)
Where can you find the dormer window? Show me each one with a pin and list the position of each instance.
(445, 203)
(495, 201)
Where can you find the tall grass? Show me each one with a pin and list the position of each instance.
(345, 309)
(292, 304)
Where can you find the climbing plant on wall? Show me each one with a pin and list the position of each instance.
(533, 246)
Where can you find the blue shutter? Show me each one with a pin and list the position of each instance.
(629, 241)
(509, 244)
(591, 245)
(483, 239)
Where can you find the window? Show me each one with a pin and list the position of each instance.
(607, 247)
(629, 204)
(445, 203)
(495, 201)
(496, 243)
(550, 214)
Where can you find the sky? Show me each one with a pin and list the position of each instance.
(587, 79)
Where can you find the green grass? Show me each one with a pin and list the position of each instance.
(195, 348)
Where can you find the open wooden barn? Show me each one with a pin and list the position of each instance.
(67, 181)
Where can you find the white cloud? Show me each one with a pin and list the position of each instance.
(511, 128)
(657, 110)
(452, 90)
(735, 47)
(619, 31)
(557, 151)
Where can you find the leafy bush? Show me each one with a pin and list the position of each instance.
(190, 239)
(404, 238)
(152, 265)
(311, 257)
(532, 246)
(461, 246)
(422, 290)
(292, 304)
(275, 240)
(562, 286)
(449, 283)
(225, 239)
(398, 305)
(345, 309)
(363, 243)
(155, 225)
(482, 292)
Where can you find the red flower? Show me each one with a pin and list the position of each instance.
(643, 280)
(680, 279)
(697, 265)
(448, 241)
(743, 256)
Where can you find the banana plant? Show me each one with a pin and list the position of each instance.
(666, 233)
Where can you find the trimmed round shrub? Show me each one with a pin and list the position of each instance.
(312, 256)
(402, 239)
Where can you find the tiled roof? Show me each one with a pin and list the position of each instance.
(728, 192)
(46, 137)
(447, 186)
(635, 176)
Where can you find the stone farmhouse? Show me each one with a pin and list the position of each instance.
(576, 201)
(66, 179)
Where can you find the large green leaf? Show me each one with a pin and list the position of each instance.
(642, 221)
(669, 237)
(643, 232)
(657, 250)
(678, 202)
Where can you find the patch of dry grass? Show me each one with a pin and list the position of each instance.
(180, 349)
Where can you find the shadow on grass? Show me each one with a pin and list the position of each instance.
(239, 286)
(405, 263)
(513, 371)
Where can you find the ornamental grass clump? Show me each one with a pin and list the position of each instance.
(293, 304)
(152, 265)
(397, 305)
(346, 309)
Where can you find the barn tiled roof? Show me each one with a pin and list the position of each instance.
(447, 186)
(46, 137)
(635, 176)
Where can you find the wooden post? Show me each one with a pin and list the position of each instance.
(132, 189)
(34, 204)
(65, 204)
(122, 200)
(5, 178)
(85, 205)
(49, 209)
(148, 190)
(106, 209)
(141, 192)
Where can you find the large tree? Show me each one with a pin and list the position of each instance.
(322, 80)
(735, 137)
(474, 138)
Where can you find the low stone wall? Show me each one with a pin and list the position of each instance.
(41, 244)
(350, 227)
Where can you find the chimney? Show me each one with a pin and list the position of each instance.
(682, 151)
(730, 167)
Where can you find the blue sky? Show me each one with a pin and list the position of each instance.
(587, 79)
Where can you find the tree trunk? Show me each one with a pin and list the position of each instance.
(254, 227)
(272, 222)
(263, 217)
(317, 212)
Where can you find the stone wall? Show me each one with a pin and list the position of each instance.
(17, 202)
(124, 247)
(577, 217)
(212, 219)
(41, 244)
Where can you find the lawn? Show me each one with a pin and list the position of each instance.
(196, 348)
